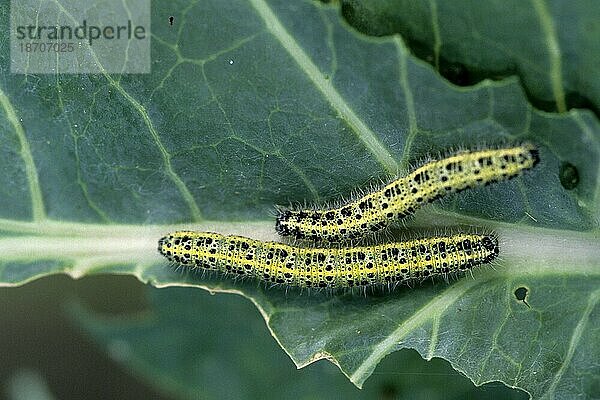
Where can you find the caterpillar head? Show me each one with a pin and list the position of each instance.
(282, 223)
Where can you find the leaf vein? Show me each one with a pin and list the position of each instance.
(413, 128)
(35, 191)
(335, 99)
(166, 157)
(554, 53)
(574, 342)
(435, 307)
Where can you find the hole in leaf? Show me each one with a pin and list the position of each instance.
(521, 294)
(568, 175)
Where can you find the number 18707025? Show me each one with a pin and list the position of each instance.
(47, 47)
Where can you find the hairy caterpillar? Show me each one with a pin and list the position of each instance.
(403, 196)
(329, 267)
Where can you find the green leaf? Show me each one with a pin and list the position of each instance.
(552, 46)
(185, 346)
(268, 102)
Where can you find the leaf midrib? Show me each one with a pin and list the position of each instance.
(525, 250)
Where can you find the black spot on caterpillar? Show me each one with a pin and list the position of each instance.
(329, 267)
(403, 196)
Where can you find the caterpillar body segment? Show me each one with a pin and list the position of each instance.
(329, 267)
(403, 196)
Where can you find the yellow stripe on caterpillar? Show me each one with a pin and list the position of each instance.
(403, 196)
(329, 267)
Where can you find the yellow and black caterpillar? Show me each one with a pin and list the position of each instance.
(403, 196)
(329, 267)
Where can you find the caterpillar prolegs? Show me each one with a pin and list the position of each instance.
(403, 196)
(333, 266)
